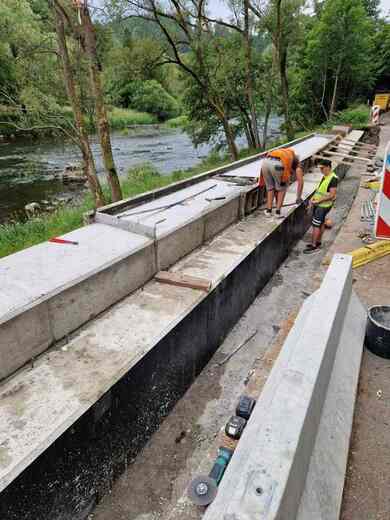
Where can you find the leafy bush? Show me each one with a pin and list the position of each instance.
(150, 96)
(357, 116)
(178, 122)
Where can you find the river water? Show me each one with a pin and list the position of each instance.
(29, 169)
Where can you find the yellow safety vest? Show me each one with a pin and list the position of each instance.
(322, 190)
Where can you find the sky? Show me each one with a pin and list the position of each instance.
(385, 4)
(219, 8)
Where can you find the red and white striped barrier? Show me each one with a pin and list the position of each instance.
(382, 224)
(375, 113)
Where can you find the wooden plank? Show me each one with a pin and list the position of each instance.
(361, 145)
(358, 145)
(367, 254)
(355, 149)
(352, 157)
(346, 149)
(334, 160)
(182, 280)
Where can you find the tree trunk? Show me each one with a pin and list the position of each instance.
(74, 100)
(249, 76)
(100, 109)
(334, 97)
(281, 49)
(247, 132)
(269, 101)
(285, 94)
(265, 127)
(246, 122)
(229, 137)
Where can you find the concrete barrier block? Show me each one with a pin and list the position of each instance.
(175, 245)
(267, 475)
(222, 217)
(322, 495)
(24, 337)
(82, 302)
(49, 290)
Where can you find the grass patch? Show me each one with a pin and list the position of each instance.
(177, 122)
(17, 236)
(121, 118)
(357, 116)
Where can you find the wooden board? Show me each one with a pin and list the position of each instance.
(361, 145)
(335, 160)
(182, 280)
(355, 148)
(352, 157)
(345, 149)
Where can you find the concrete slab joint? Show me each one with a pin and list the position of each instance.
(283, 463)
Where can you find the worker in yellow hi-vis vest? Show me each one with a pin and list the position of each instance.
(321, 203)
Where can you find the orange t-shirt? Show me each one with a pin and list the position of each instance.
(287, 156)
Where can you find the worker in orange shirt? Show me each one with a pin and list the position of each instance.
(277, 168)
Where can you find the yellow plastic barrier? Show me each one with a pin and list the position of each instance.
(382, 100)
(366, 254)
(372, 185)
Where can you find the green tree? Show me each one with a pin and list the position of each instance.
(339, 59)
(372, 7)
(136, 60)
(281, 18)
(382, 54)
(150, 96)
(188, 31)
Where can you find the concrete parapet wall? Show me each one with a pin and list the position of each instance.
(42, 312)
(222, 217)
(24, 337)
(175, 245)
(279, 467)
(182, 241)
(96, 294)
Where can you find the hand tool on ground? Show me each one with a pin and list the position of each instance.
(235, 426)
(245, 406)
(203, 489)
(56, 240)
